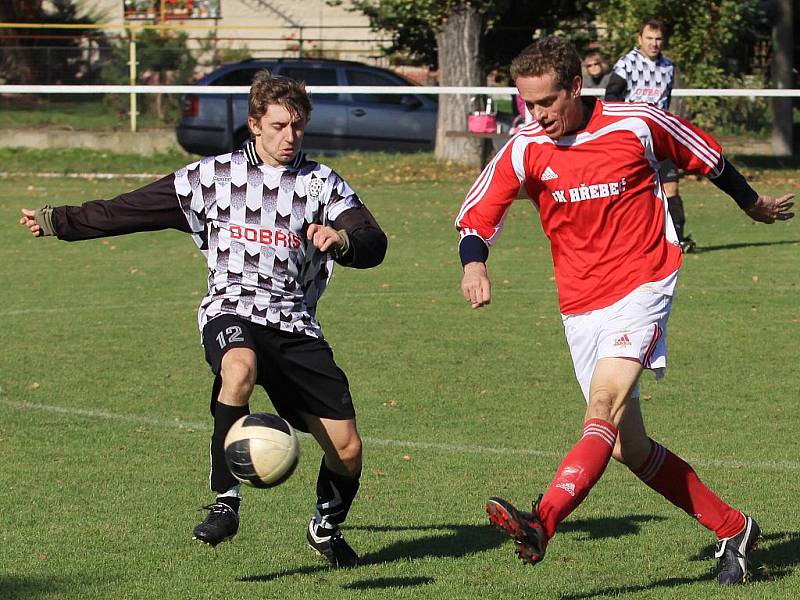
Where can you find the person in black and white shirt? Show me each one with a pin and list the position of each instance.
(645, 75)
(271, 224)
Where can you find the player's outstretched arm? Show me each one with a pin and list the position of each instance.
(764, 209)
(150, 208)
(475, 285)
(767, 209)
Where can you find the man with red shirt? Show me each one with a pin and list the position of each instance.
(591, 170)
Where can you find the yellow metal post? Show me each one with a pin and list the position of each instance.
(132, 70)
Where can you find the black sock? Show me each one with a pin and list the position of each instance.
(335, 495)
(224, 417)
(231, 501)
(675, 206)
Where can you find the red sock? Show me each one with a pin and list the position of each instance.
(578, 472)
(675, 479)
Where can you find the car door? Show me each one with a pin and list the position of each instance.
(216, 123)
(390, 122)
(240, 133)
(327, 127)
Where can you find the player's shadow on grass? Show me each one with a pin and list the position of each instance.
(775, 557)
(14, 587)
(455, 541)
(739, 245)
(384, 583)
(597, 529)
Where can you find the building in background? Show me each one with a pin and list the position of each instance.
(267, 28)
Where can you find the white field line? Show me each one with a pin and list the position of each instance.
(72, 411)
(48, 175)
(14, 312)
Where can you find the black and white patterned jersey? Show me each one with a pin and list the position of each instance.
(250, 221)
(647, 80)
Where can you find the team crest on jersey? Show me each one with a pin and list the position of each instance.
(314, 188)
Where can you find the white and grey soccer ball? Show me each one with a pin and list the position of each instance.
(261, 450)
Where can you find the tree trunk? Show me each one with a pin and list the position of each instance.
(458, 46)
(783, 51)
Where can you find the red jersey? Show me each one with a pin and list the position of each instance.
(599, 198)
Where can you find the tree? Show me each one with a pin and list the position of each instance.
(447, 32)
(462, 38)
(783, 52)
(19, 63)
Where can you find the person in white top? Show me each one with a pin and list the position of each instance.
(645, 75)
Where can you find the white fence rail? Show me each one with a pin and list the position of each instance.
(361, 89)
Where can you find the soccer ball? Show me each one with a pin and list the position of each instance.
(261, 450)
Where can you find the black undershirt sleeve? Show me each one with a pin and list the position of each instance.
(615, 90)
(150, 208)
(734, 184)
(367, 241)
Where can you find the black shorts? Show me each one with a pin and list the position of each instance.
(297, 371)
(668, 172)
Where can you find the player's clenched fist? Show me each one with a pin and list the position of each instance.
(325, 238)
(475, 285)
(28, 219)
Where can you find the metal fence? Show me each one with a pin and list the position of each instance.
(60, 53)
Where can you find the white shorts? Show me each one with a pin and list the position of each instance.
(633, 327)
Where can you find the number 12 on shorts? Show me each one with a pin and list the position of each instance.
(234, 334)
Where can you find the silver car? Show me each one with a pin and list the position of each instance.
(215, 124)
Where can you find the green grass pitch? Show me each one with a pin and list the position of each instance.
(104, 419)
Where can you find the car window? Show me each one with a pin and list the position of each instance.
(237, 77)
(312, 77)
(358, 77)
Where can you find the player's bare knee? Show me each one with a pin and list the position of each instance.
(349, 454)
(601, 402)
(238, 375)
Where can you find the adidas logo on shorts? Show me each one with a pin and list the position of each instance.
(622, 341)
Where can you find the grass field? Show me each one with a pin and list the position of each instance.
(104, 408)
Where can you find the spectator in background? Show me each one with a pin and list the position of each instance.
(596, 70)
(645, 75)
